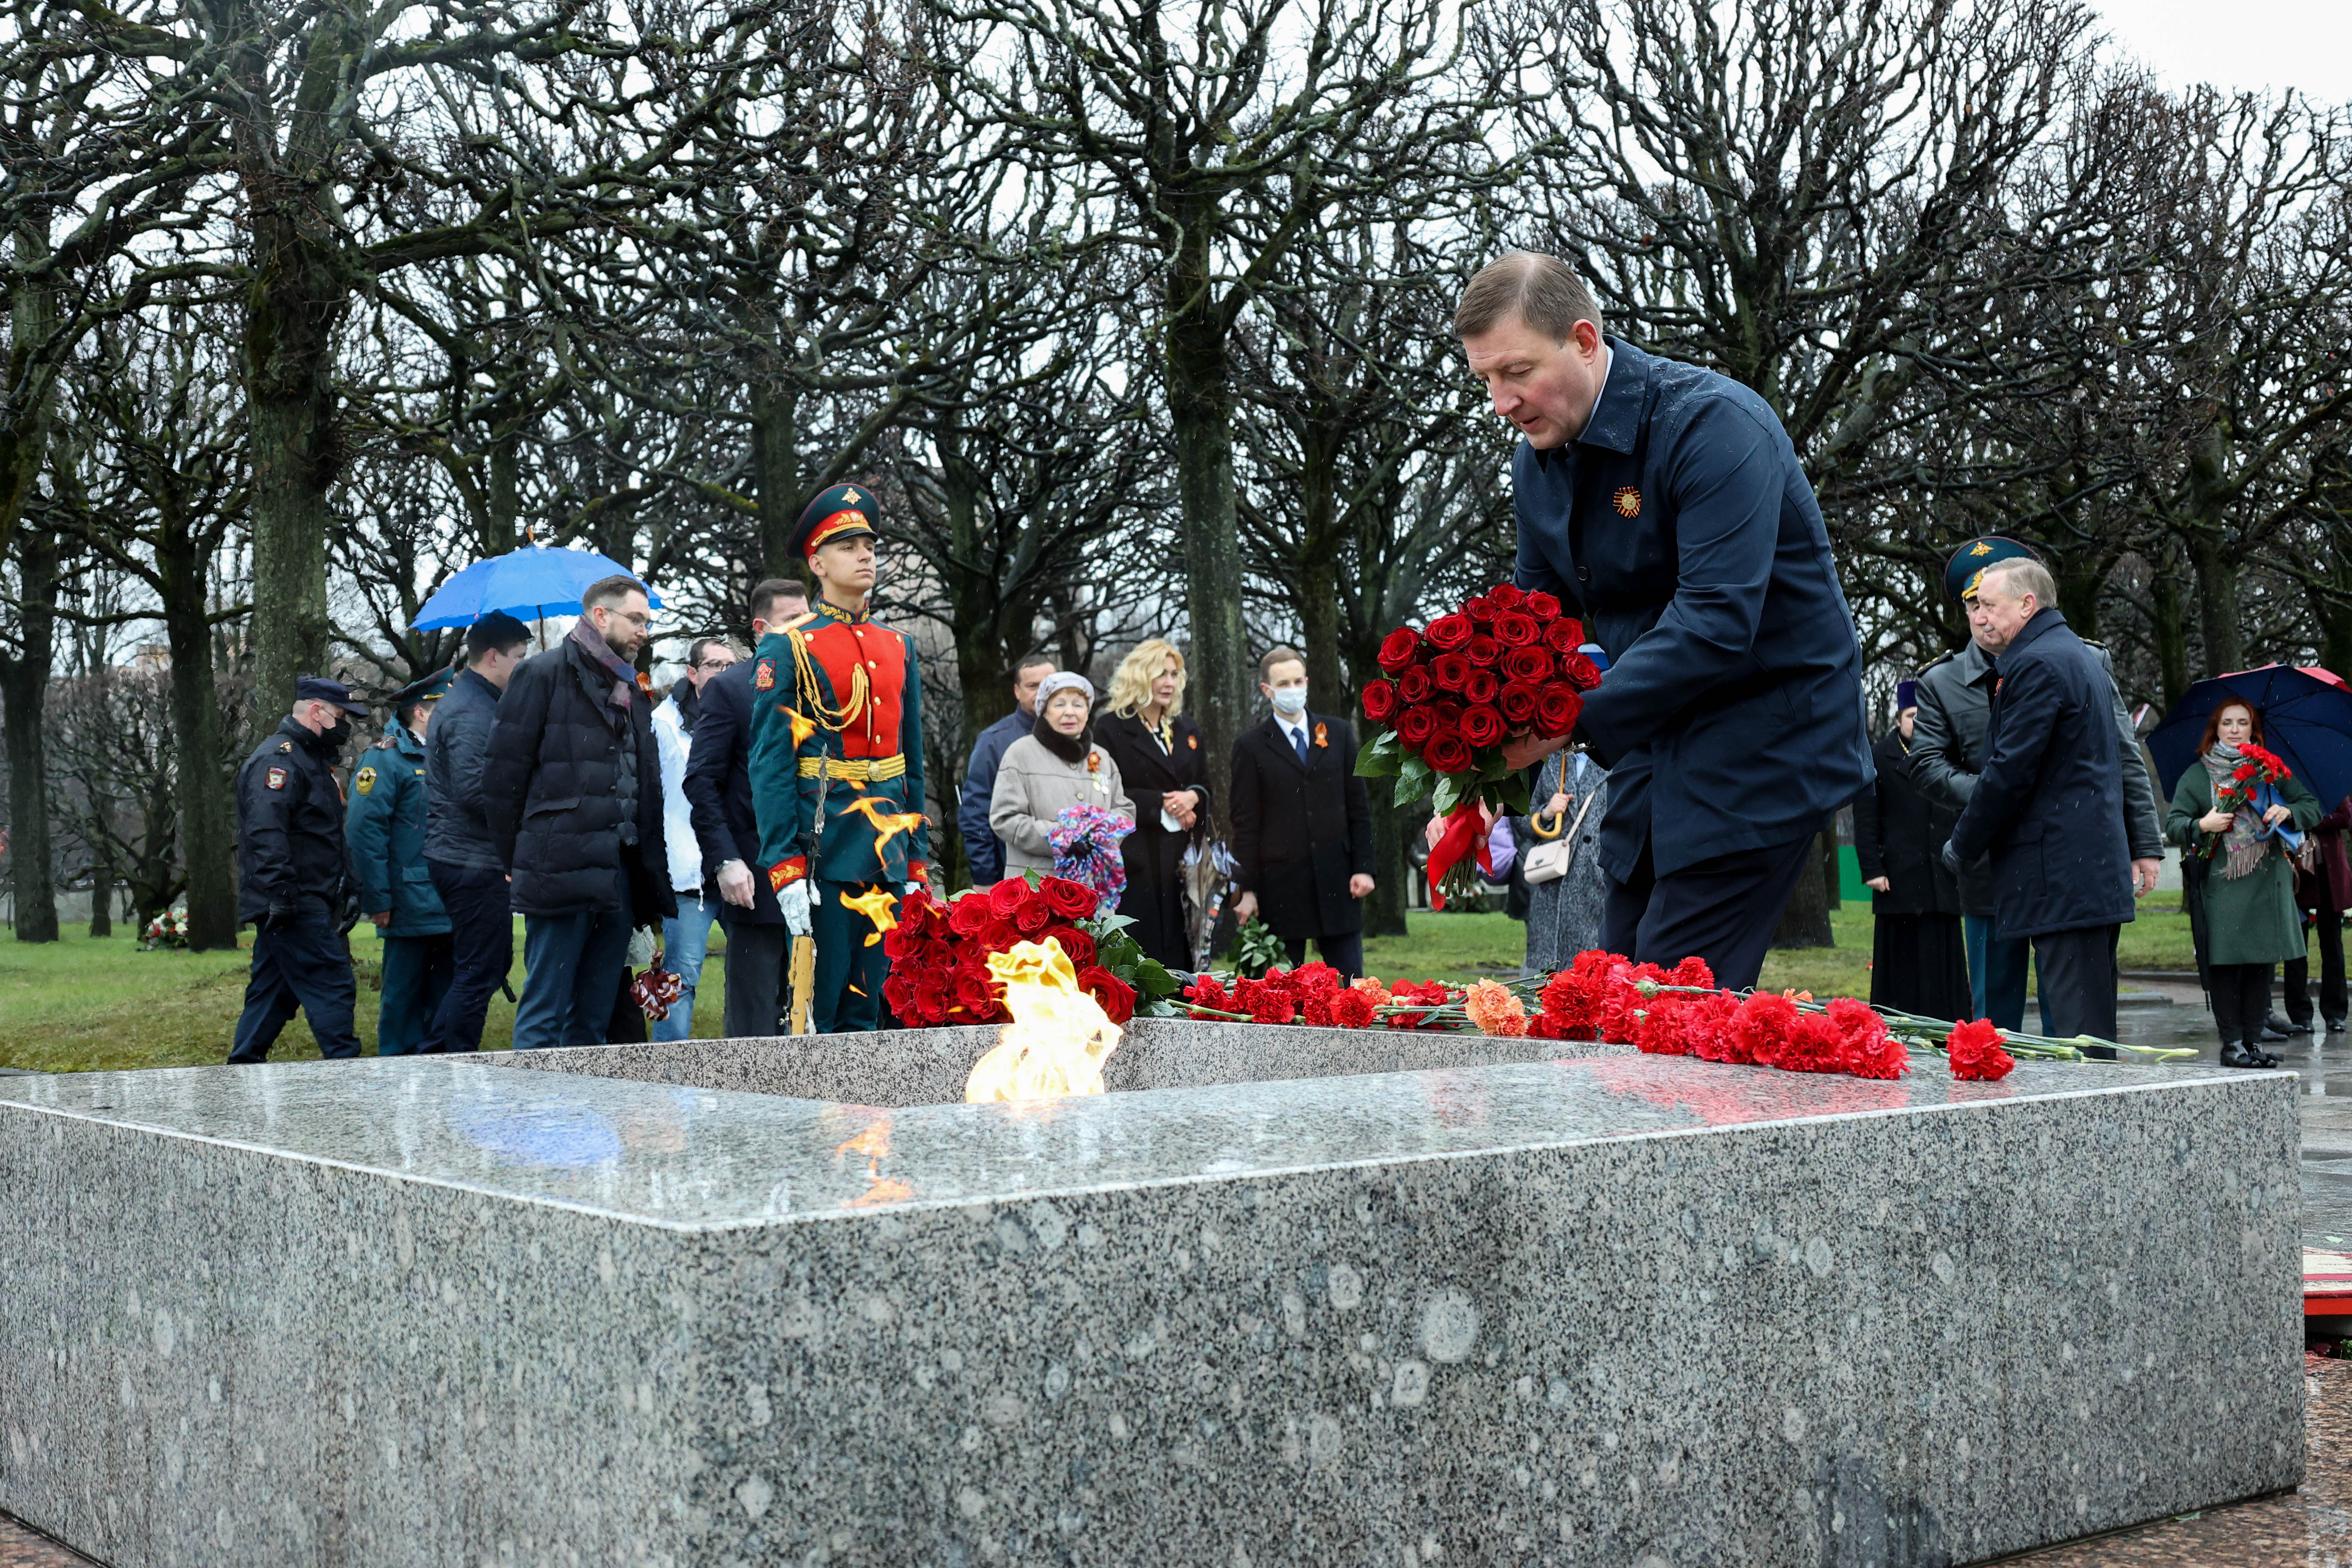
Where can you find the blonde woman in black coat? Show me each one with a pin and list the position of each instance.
(1157, 751)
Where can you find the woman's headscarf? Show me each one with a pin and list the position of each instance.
(1069, 748)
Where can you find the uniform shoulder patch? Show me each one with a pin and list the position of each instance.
(2091, 642)
(275, 778)
(1944, 658)
(365, 780)
(285, 745)
(764, 675)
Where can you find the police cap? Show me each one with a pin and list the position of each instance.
(428, 690)
(320, 689)
(839, 511)
(1968, 561)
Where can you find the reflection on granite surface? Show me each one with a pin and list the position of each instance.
(706, 1157)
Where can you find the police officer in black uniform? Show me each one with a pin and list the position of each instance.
(384, 825)
(293, 879)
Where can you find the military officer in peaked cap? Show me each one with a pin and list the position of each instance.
(1947, 753)
(385, 829)
(293, 878)
(837, 762)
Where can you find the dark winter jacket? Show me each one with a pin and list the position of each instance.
(289, 829)
(1301, 830)
(717, 788)
(2049, 804)
(983, 850)
(572, 790)
(456, 831)
(1899, 833)
(384, 825)
(1948, 751)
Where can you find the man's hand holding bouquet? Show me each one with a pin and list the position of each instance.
(1461, 698)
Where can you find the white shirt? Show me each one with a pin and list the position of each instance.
(1294, 730)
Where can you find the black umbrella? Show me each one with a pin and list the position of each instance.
(2306, 720)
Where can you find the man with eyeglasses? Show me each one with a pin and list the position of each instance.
(685, 936)
(571, 786)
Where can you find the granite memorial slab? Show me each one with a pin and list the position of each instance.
(1618, 1309)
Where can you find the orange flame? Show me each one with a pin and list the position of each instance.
(876, 907)
(1059, 1036)
(874, 1143)
(802, 726)
(887, 824)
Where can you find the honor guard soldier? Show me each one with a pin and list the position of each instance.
(837, 762)
(385, 829)
(292, 877)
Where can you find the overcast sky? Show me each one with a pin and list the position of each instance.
(2301, 44)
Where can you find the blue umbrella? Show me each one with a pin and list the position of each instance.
(2306, 720)
(531, 583)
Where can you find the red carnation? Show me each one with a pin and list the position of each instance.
(1483, 726)
(1069, 900)
(1480, 686)
(1005, 899)
(1480, 609)
(1273, 1005)
(1974, 1049)
(1531, 665)
(1763, 1028)
(1317, 978)
(1451, 671)
(1693, 971)
(1380, 701)
(1557, 711)
(969, 916)
(1414, 726)
(1447, 634)
(1351, 1010)
(1814, 1044)
(1514, 630)
(1622, 1000)
(1518, 703)
(1543, 606)
(1579, 670)
(1398, 649)
(1414, 685)
(1448, 754)
(1484, 651)
(1660, 1031)
(1548, 1026)
(1707, 1026)
(1115, 995)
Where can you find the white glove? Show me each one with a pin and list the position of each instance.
(793, 898)
(911, 889)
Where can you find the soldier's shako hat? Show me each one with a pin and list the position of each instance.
(1968, 561)
(429, 689)
(839, 511)
(319, 689)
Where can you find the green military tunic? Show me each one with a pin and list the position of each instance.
(2251, 918)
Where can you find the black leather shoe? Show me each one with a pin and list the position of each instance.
(2274, 1029)
(2235, 1054)
(2263, 1058)
(2295, 1027)
(2335, 1025)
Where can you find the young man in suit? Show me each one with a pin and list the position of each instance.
(1302, 822)
(718, 789)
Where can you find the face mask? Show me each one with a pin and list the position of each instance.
(336, 734)
(1290, 700)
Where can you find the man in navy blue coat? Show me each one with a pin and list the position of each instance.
(1664, 505)
(718, 789)
(2048, 801)
(984, 851)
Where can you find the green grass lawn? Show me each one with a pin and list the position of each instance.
(83, 1004)
(86, 1004)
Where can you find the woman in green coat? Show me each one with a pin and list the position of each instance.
(2236, 862)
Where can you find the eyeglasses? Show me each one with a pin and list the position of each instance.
(716, 664)
(643, 618)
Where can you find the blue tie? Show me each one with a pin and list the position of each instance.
(1298, 739)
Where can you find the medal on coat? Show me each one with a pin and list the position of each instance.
(365, 781)
(276, 778)
(1628, 503)
(1322, 734)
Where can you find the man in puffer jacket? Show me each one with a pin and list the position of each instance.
(572, 788)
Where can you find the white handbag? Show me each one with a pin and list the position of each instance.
(1549, 861)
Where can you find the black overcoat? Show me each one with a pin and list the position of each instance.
(1301, 831)
(717, 788)
(1899, 833)
(2049, 803)
(1155, 855)
(550, 791)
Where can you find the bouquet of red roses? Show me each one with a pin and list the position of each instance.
(2257, 771)
(939, 953)
(1504, 665)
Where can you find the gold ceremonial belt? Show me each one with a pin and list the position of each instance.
(862, 768)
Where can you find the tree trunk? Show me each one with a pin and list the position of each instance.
(776, 474)
(101, 874)
(974, 605)
(1805, 921)
(1199, 405)
(207, 813)
(1391, 873)
(1315, 566)
(2217, 605)
(2168, 630)
(24, 694)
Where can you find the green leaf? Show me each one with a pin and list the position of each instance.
(1152, 979)
(1452, 788)
(1412, 781)
(1380, 757)
(1103, 925)
(1513, 794)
